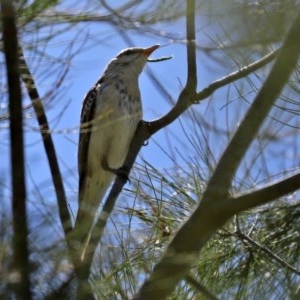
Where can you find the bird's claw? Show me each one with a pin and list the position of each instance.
(121, 172)
(107, 168)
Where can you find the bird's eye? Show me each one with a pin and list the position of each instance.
(127, 52)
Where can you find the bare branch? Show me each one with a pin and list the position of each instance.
(20, 245)
(48, 143)
(206, 92)
(211, 214)
(264, 195)
(185, 99)
(191, 46)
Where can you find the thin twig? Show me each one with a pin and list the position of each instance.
(159, 59)
(20, 244)
(208, 91)
(201, 288)
(267, 251)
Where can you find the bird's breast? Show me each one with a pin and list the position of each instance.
(116, 119)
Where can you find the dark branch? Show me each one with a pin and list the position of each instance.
(48, 143)
(191, 84)
(20, 245)
(188, 95)
(267, 251)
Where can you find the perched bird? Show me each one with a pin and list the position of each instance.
(110, 114)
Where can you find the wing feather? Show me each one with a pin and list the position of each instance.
(86, 126)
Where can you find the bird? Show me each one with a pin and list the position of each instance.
(110, 113)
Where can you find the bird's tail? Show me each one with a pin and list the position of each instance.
(82, 230)
(88, 206)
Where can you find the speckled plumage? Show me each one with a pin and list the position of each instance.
(110, 113)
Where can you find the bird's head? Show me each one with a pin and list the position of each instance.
(130, 61)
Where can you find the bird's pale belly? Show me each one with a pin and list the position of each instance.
(111, 142)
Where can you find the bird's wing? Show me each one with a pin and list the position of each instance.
(86, 124)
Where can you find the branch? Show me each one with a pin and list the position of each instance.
(239, 74)
(263, 195)
(212, 212)
(20, 245)
(191, 84)
(48, 144)
(185, 99)
(267, 251)
(283, 67)
(66, 17)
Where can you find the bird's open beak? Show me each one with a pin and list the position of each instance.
(148, 51)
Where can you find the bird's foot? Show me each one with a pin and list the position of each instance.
(121, 172)
(107, 168)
